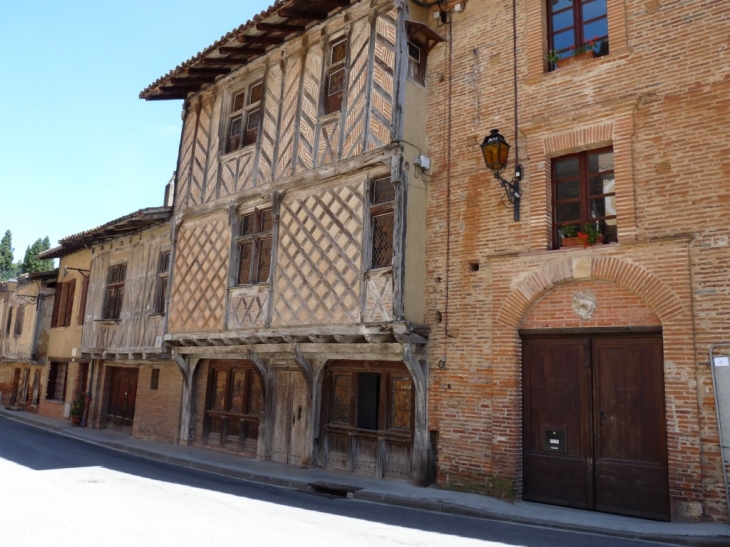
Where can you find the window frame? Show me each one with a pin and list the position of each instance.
(52, 384)
(243, 115)
(257, 237)
(578, 32)
(333, 102)
(419, 67)
(63, 304)
(9, 319)
(380, 210)
(19, 319)
(163, 275)
(112, 309)
(584, 196)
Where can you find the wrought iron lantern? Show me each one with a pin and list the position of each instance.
(495, 150)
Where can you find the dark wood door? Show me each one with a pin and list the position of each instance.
(594, 424)
(123, 395)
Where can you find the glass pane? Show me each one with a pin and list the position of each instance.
(563, 40)
(219, 398)
(401, 397)
(235, 126)
(562, 20)
(339, 51)
(595, 29)
(238, 102)
(254, 119)
(383, 240)
(556, 5)
(247, 224)
(567, 190)
(593, 8)
(238, 390)
(336, 82)
(567, 212)
(244, 266)
(383, 191)
(262, 274)
(414, 52)
(603, 207)
(267, 221)
(602, 184)
(256, 92)
(602, 161)
(342, 392)
(567, 168)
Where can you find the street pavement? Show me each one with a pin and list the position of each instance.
(56, 488)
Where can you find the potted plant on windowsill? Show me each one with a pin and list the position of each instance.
(575, 54)
(569, 236)
(78, 405)
(572, 237)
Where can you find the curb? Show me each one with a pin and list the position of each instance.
(437, 506)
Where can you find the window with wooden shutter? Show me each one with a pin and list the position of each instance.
(382, 222)
(417, 62)
(10, 320)
(82, 303)
(335, 77)
(56, 388)
(163, 273)
(19, 318)
(255, 246)
(56, 305)
(114, 295)
(245, 117)
(69, 302)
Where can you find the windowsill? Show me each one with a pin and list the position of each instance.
(56, 401)
(381, 270)
(249, 285)
(157, 313)
(324, 118)
(609, 58)
(249, 149)
(582, 248)
(107, 321)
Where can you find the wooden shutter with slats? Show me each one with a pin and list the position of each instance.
(69, 303)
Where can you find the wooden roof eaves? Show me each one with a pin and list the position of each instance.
(295, 21)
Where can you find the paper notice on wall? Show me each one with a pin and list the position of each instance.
(722, 361)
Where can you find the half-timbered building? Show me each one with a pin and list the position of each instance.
(296, 304)
(25, 321)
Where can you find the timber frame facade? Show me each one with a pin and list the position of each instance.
(296, 304)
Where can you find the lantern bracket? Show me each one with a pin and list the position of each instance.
(512, 189)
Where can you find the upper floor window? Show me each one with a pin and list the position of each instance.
(335, 78)
(382, 222)
(63, 304)
(163, 272)
(9, 320)
(255, 246)
(417, 62)
(584, 192)
(573, 23)
(245, 117)
(19, 318)
(114, 295)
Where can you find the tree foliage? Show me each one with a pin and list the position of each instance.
(31, 263)
(7, 268)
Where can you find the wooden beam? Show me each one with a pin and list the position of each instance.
(212, 71)
(172, 88)
(225, 61)
(309, 16)
(243, 50)
(262, 39)
(175, 80)
(278, 27)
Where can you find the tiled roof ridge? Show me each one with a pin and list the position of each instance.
(139, 212)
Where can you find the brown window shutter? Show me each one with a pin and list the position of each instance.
(56, 302)
(82, 304)
(69, 303)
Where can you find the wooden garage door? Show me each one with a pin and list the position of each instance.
(594, 424)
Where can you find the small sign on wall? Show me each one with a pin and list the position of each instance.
(722, 361)
(554, 441)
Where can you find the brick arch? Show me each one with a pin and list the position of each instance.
(657, 295)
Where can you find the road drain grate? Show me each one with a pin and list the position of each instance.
(333, 489)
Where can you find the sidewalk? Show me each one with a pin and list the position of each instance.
(390, 492)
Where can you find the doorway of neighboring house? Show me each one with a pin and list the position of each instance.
(368, 418)
(234, 405)
(23, 387)
(594, 424)
(122, 398)
(291, 419)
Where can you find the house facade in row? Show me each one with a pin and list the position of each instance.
(334, 280)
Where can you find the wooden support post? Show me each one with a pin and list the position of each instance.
(266, 426)
(188, 368)
(421, 440)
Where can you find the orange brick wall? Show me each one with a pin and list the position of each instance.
(653, 99)
(157, 411)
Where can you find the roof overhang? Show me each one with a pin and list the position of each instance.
(135, 222)
(274, 26)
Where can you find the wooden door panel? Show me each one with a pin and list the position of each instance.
(631, 473)
(123, 395)
(557, 447)
(282, 417)
(299, 449)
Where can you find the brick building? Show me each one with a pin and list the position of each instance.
(526, 331)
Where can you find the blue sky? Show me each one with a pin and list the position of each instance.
(78, 148)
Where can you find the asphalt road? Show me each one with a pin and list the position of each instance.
(59, 491)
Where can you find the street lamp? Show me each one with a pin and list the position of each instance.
(495, 150)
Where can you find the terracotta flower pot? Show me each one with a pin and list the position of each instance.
(577, 58)
(76, 419)
(579, 241)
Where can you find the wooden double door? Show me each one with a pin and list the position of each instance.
(122, 396)
(595, 425)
